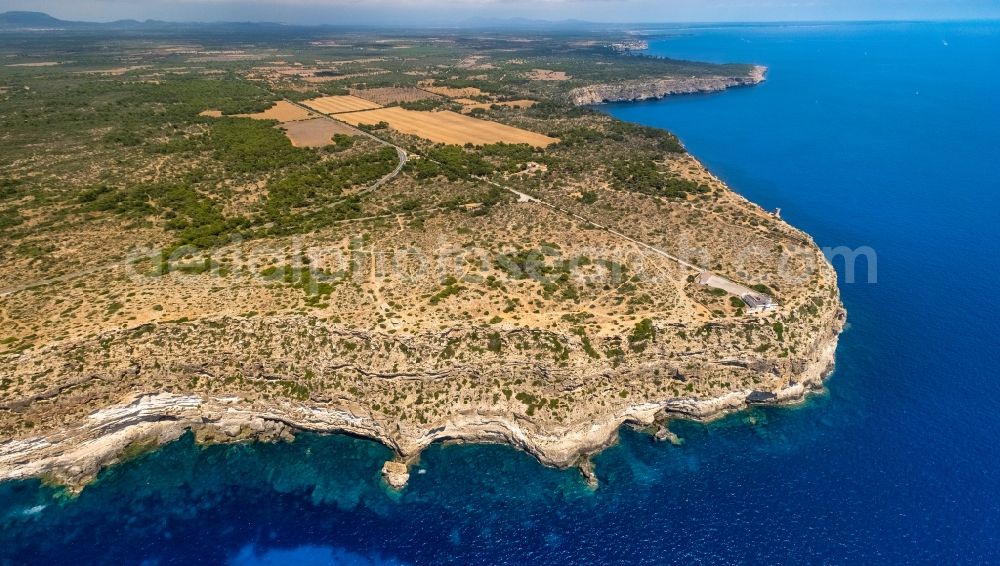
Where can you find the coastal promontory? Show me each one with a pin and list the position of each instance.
(408, 239)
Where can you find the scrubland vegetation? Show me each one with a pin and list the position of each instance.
(149, 246)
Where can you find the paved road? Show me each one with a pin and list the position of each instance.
(403, 157)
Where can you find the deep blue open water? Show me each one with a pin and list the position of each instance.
(882, 135)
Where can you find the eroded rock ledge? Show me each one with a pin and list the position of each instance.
(658, 88)
(74, 455)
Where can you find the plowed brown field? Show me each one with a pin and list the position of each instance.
(282, 111)
(317, 132)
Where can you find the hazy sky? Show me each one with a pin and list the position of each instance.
(457, 11)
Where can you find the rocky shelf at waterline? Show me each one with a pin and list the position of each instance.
(645, 89)
(74, 456)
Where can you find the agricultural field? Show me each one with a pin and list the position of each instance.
(453, 92)
(282, 111)
(447, 127)
(468, 105)
(316, 132)
(547, 75)
(340, 104)
(385, 96)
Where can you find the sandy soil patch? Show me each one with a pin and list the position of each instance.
(361, 61)
(115, 71)
(532, 167)
(390, 95)
(447, 127)
(276, 72)
(338, 104)
(317, 132)
(547, 75)
(474, 62)
(224, 56)
(469, 105)
(38, 64)
(325, 79)
(322, 79)
(282, 111)
(450, 92)
(211, 113)
(292, 71)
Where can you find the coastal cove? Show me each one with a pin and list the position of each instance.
(898, 460)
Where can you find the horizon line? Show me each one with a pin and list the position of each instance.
(472, 23)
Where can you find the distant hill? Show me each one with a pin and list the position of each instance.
(532, 24)
(39, 21)
(31, 20)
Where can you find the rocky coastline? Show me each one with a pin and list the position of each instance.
(74, 456)
(636, 90)
(76, 406)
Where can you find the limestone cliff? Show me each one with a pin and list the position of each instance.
(220, 400)
(658, 88)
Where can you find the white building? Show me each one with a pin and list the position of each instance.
(759, 302)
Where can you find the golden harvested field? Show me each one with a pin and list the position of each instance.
(390, 95)
(317, 132)
(282, 111)
(447, 127)
(338, 104)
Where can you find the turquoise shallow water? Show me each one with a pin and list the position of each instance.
(865, 135)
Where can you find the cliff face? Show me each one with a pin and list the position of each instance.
(659, 88)
(96, 432)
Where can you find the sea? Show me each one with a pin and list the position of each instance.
(882, 138)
